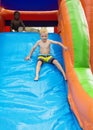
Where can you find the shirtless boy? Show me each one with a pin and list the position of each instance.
(45, 56)
(17, 24)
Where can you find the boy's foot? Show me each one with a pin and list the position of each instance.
(36, 78)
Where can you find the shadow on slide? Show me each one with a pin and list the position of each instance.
(26, 104)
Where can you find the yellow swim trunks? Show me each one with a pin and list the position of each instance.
(45, 58)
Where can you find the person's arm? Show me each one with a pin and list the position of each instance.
(31, 52)
(59, 43)
(22, 24)
(11, 27)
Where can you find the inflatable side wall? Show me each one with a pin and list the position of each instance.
(75, 33)
(88, 8)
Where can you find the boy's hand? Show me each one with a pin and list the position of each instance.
(13, 30)
(65, 48)
(27, 58)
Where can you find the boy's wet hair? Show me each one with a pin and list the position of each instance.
(43, 30)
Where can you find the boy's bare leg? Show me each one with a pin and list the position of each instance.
(39, 63)
(57, 64)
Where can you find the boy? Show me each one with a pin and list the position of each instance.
(17, 23)
(45, 56)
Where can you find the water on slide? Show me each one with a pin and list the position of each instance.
(26, 104)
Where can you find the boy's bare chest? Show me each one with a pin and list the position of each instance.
(44, 45)
(16, 22)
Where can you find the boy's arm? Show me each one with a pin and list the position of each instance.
(59, 43)
(31, 52)
(11, 26)
(22, 24)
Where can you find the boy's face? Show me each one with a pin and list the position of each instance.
(17, 16)
(44, 37)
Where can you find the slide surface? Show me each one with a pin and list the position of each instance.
(26, 104)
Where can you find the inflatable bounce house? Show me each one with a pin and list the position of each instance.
(51, 103)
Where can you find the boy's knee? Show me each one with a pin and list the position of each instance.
(39, 63)
(55, 61)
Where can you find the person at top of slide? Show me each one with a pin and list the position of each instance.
(17, 24)
(44, 55)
